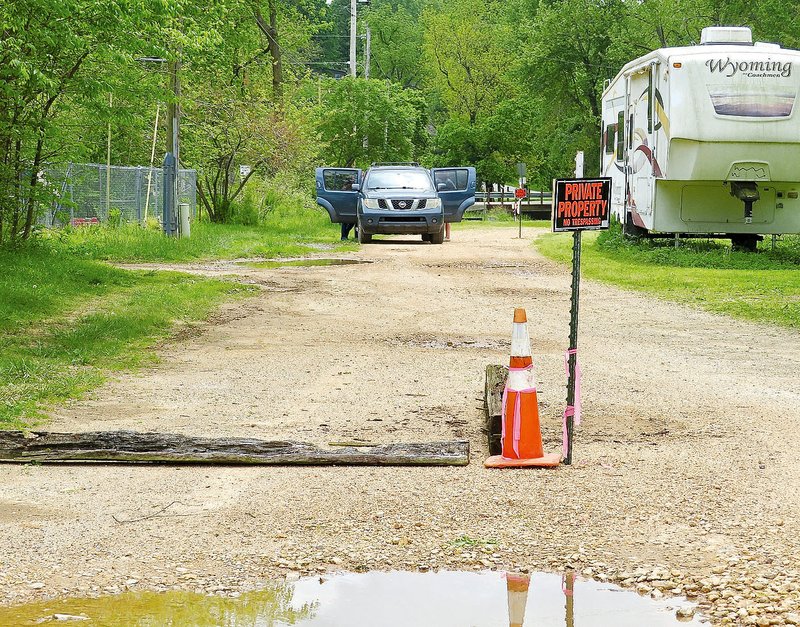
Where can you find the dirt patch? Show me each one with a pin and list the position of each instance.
(686, 475)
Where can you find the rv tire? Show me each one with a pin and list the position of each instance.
(631, 230)
(745, 243)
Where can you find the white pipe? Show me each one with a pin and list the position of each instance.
(152, 159)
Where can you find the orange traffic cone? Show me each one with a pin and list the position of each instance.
(521, 434)
(517, 598)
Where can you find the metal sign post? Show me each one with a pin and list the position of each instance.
(519, 194)
(578, 204)
(170, 189)
(572, 354)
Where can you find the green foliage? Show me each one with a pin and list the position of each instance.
(363, 121)
(396, 41)
(466, 61)
(762, 286)
(54, 62)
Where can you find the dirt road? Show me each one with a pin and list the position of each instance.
(686, 467)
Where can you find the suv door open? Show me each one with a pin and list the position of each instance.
(335, 192)
(458, 193)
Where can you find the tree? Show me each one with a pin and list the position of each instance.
(466, 56)
(396, 41)
(51, 59)
(363, 121)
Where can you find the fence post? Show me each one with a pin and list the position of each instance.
(170, 183)
(185, 229)
(99, 210)
(139, 194)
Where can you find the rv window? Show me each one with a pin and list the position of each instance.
(650, 99)
(620, 136)
(610, 139)
(630, 132)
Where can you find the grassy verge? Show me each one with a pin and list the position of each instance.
(496, 218)
(762, 286)
(281, 234)
(65, 322)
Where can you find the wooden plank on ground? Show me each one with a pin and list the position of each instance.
(130, 446)
(493, 405)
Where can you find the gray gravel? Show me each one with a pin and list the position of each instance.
(685, 479)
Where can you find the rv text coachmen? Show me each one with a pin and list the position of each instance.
(705, 140)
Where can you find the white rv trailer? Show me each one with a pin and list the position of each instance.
(706, 139)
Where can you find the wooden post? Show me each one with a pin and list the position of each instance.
(493, 406)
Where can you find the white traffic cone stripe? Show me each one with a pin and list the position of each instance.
(520, 340)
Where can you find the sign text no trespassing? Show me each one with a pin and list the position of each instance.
(581, 204)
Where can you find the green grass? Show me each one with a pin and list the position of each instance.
(468, 542)
(282, 234)
(66, 322)
(762, 286)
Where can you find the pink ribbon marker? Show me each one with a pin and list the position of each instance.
(571, 410)
(517, 424)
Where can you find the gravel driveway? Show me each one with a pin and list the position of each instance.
(686, 466)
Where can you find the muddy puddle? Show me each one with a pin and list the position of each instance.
(302, 263)
(388, 599)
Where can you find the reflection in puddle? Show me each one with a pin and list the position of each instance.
(289, 263)
(388, 599)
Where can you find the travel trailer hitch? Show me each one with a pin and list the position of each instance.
(747, 192)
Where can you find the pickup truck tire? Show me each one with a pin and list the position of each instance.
(438, 237)
(363, 238)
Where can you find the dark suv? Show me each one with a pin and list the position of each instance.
(396, 198)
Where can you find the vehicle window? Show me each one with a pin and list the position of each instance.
(338, 181)
(620, 136)
(455, 179)
(610, 139)
(399, 179)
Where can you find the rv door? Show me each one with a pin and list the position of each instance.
(335, 192)
(457, 191)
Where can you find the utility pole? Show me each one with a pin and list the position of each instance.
(367, 52)
(174, 111)
(353, 37)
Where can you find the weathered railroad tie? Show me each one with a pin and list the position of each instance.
(130, 446)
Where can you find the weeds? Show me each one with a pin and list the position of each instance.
(763, 286)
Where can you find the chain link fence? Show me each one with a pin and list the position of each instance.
(135, 194)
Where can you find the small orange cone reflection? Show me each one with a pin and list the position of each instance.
(517, 598)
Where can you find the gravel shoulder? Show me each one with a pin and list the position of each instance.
(686, 468)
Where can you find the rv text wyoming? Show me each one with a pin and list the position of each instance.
(752, 69)
(703, 139)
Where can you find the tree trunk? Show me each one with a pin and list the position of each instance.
(270, 31)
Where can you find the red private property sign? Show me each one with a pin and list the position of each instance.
(581, 204)
(520, 193)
